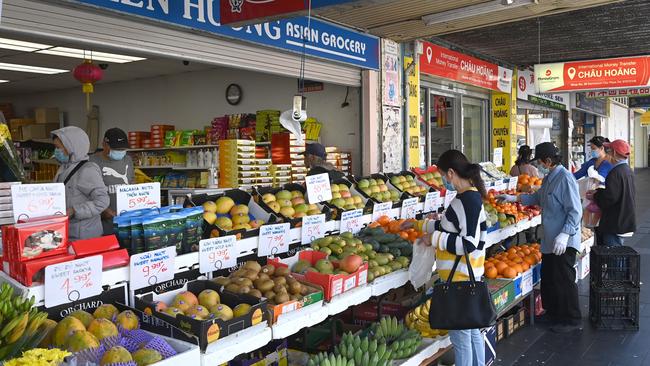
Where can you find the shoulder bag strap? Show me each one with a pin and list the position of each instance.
(453, 269)
(470, 270)
(74, 171)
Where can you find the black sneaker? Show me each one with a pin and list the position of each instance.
(566, 328)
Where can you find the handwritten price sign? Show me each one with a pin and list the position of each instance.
(150, 268)
(71, 281)
(512, 183)
(318, 188)
(351, 221)
(38, 200)
(273, 239)
(137, 196)
(409, 208)
(449, 196)
(381, 209)
(313, 227)
(217, 253)
(500, 186)
(432, 202)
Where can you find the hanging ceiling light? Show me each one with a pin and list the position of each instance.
(475, 10)
(31, 69)
(97, 56)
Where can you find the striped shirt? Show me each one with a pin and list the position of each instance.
(462, 229)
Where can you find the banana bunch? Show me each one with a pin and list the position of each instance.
(402, 341)
(141, 177)
(329, 359)
(21, 325)
(418, 319)
(363, 351)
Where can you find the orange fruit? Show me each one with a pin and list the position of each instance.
(509, 273)
(488, 264)
(512, 250)
(383, 220)
(500, 266)
(513, 256)
(517, 267)
(518, 260)
(530, 260)
(491, 272)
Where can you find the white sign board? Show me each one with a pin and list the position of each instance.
(274, 239)
(37, 200)
(381, 209)
(512, 183)
(132, 197)
(500, 185)
(217, 253)
(313, 227)
(150, 268)
(432, 202)
(318, 188)
(409, 208)
(351, 221)
(74, 280)
(497, 158)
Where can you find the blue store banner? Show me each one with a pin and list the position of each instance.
(324, 39)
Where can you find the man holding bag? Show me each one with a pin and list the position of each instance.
(561, 215)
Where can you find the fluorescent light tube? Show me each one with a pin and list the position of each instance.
(474, 10)
(94, 55)
(4, 81)
(13, 44)
(32, 69)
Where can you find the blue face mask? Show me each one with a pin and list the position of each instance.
(448, 185)
(117, 154)
(60, 156)
(594, 154)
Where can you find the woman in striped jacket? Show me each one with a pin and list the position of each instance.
(462, 229)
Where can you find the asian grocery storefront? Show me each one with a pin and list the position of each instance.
(465, 104)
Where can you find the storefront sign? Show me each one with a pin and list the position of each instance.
(502, 126)
(448, 64)
(616, 93)
(37, 200)
(526, 91)
(238, 11)
(614, 73)
(595, 106)
(391, 85)
(309, 86)
(639, 102)
(645, 119)
(322, 39)
(413, 106)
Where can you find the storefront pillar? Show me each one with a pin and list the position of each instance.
(371, 122)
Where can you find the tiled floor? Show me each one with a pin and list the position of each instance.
(539, 346)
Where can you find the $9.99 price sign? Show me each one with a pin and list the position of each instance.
(71, 281)
(318, 188)
(273, 239)
(217, 253)
(150, 268)
(313, 227)
(351, 221)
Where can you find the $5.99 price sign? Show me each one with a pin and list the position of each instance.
(217, 253)
(313, 227)
(432, 202)
(71, 281)
(351, 221)
(318, 188)
(137, 196)
(150, 268)
(409, 208)
(381, 209)
(273, 239)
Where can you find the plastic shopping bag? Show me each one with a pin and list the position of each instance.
(591, 212)
(421, 268)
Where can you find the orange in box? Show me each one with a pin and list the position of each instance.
(332, 284)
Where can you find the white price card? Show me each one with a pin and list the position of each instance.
(150, 268)
(313, 227)
(274, 239)
(351, 221)
(500, 185)
(381, 209)
(217, 253)
(318, 188)
(409, 208)
(497, 158)
(512, 183)
(432, 202)
(527, 282)
(37, 200)
(132, 197)
(449, 196)
(74, 280)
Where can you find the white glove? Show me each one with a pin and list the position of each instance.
(507, 198)
(561, 241)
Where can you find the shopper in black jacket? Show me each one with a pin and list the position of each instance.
(616, 200)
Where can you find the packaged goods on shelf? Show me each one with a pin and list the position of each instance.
(136, 138)
(233, 154)
(312, 128)
(35, 239)
(491, 173)
(268, 122)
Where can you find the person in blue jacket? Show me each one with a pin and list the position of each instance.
(598, 159)
(561, 219)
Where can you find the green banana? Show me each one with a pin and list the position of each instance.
(10, 326)
(18, 331)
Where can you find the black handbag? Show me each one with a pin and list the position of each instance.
(463, 304)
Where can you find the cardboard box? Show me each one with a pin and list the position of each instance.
(16, 133)
(38, 131)
(20, 122)
(502, 291)
(490, 338)
(47, 115)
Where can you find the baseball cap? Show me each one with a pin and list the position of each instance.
(546, 150)
(619, 146)
(315, 149)
(116, 138)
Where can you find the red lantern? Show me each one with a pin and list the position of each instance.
(87, 74)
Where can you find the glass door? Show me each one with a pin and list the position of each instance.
(473, 131)
(442, 119)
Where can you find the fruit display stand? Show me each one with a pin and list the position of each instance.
(431, 349)
(383, 284)
(244, 341)
(188, 354)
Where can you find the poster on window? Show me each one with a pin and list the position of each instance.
(391, 73)
(392, 140)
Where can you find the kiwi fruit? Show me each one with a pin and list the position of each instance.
(266, 286)
(255, 292)
(268, 269)
(239, 273)
(281, 298)
(232, 287)
(269, 294)
(290, 279)
(242, 281)
(304, 290)
(281, 272)
(244, 290)
(296, 297)
(280, 281)
(253, 266)
(295, 288)
(250, 274)
(221, 281)
(279, 289)
(263, 276)
(258, 283)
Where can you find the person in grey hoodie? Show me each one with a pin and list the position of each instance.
(86, 196)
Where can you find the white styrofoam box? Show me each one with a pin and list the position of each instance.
(583, 266)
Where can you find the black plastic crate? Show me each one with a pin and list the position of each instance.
(614, 306)
(619, 264)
